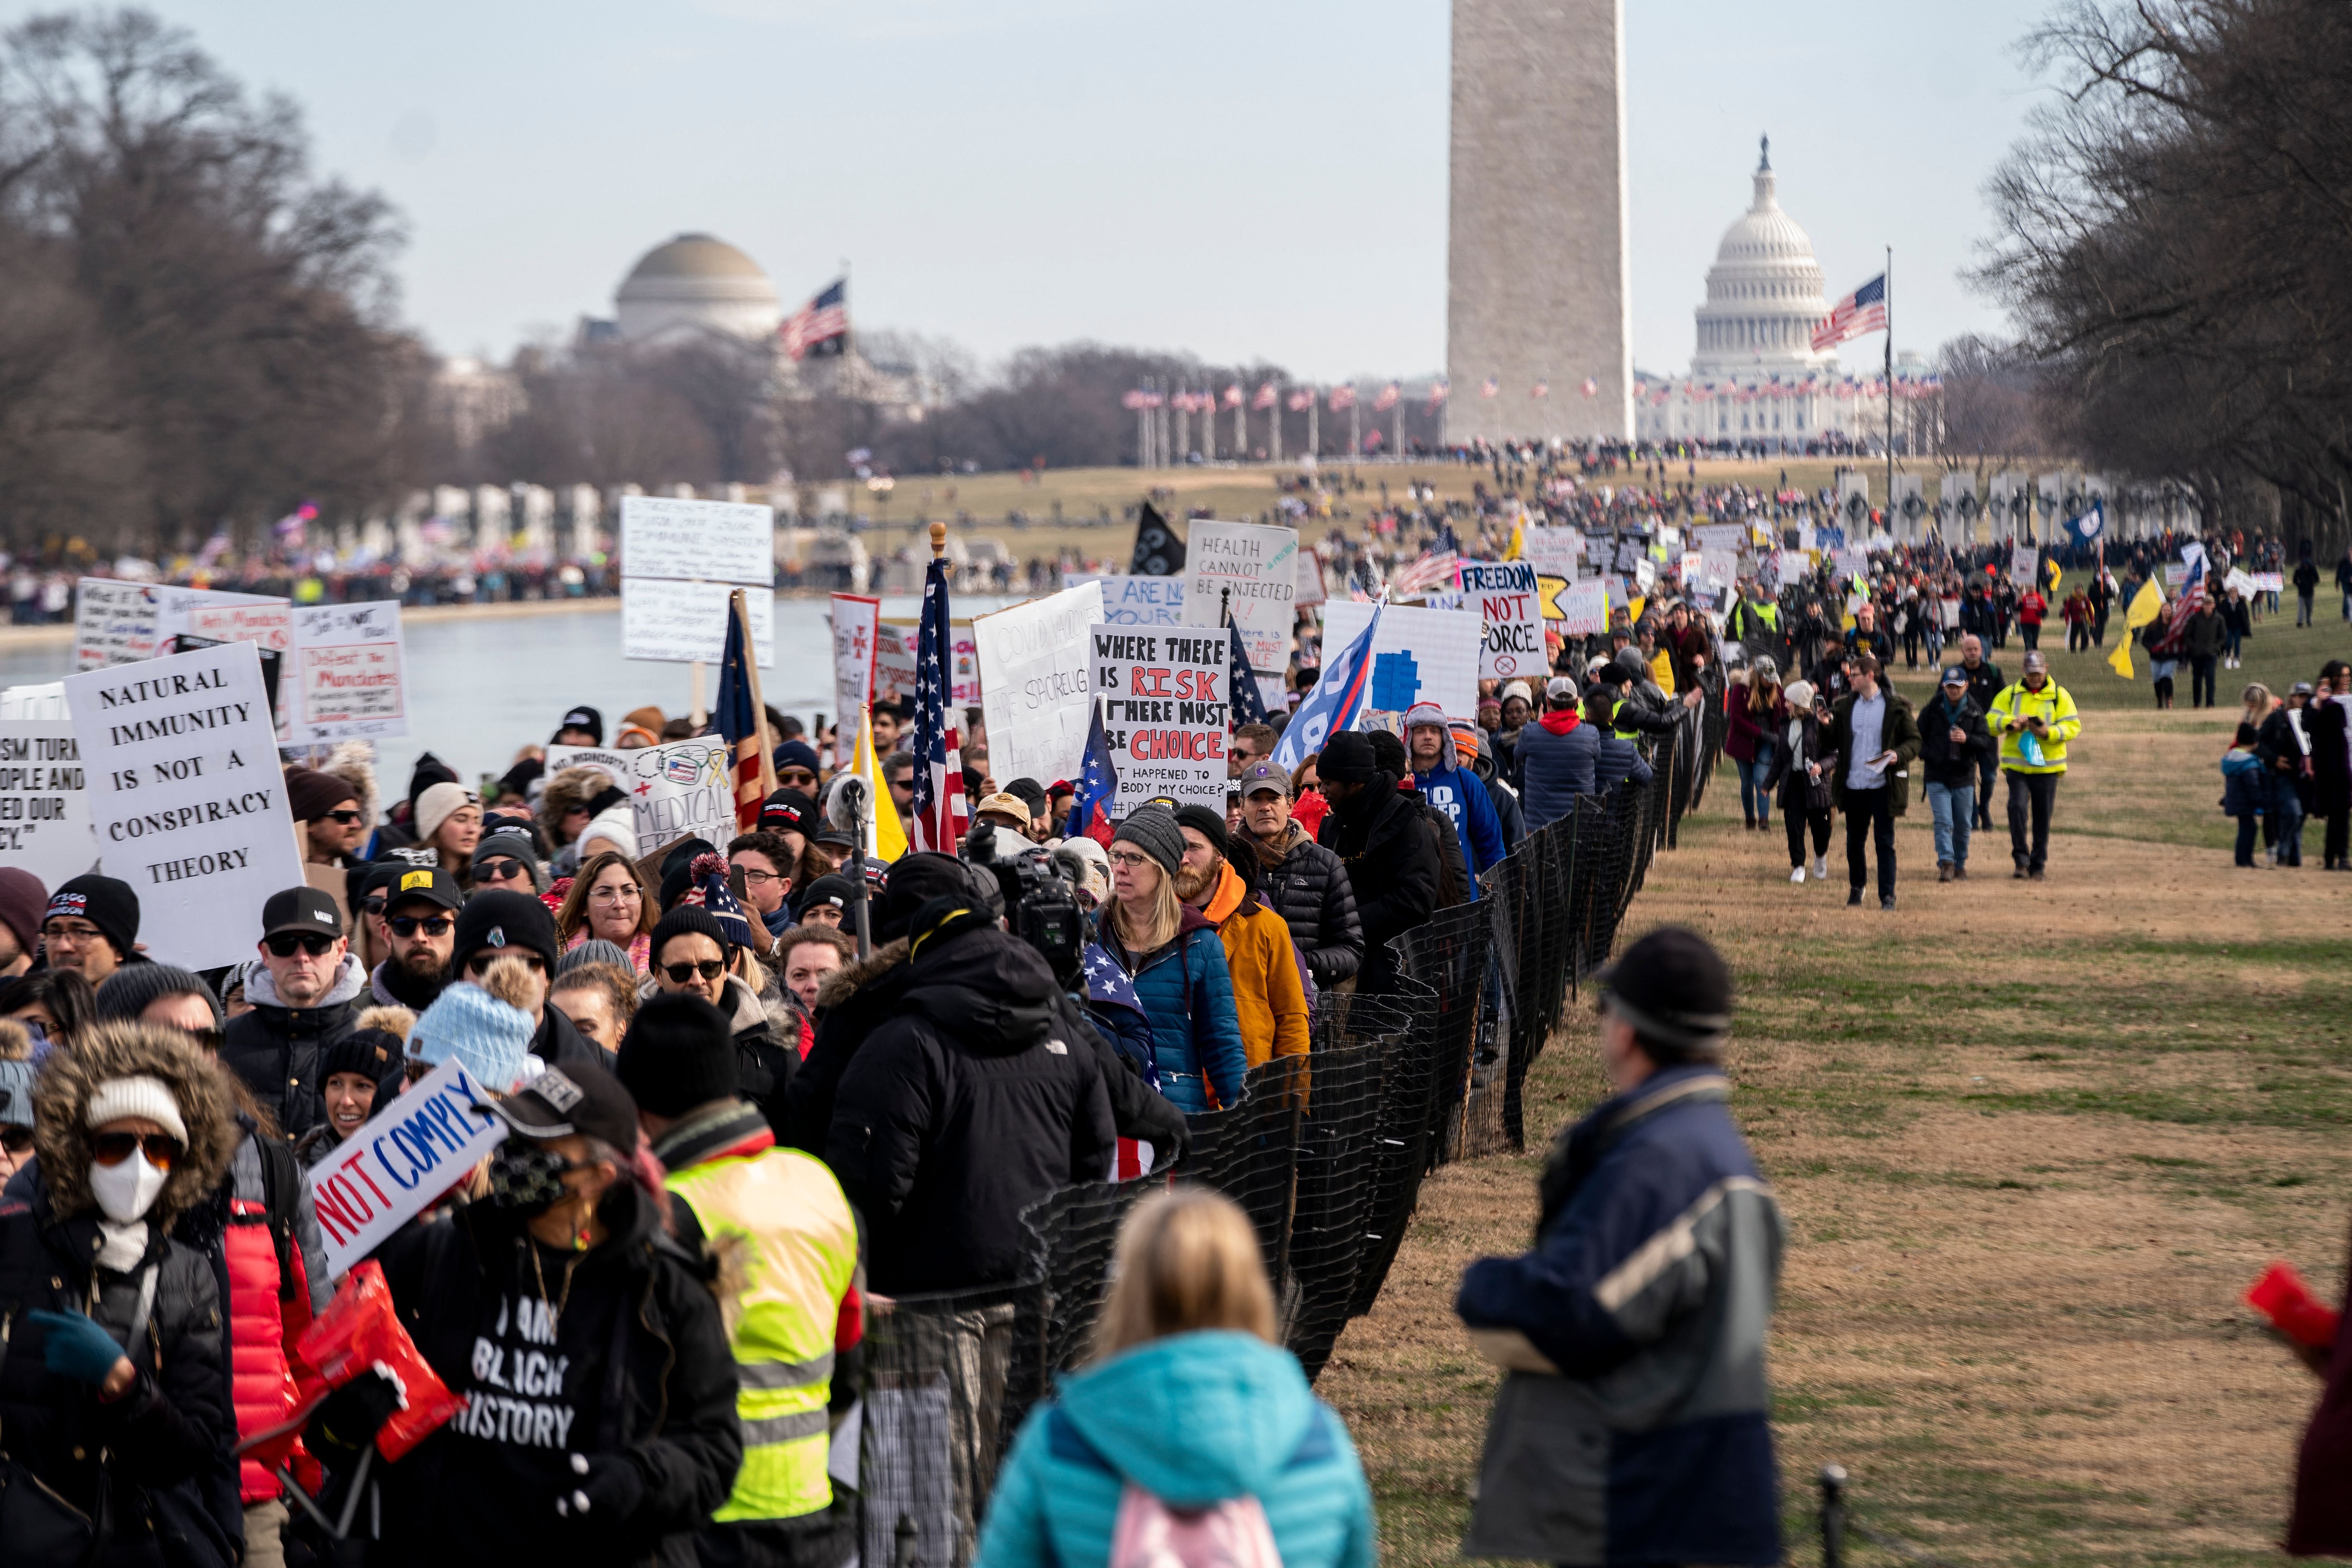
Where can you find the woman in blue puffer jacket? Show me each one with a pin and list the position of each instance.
(1191, 1405)
(1178, 963)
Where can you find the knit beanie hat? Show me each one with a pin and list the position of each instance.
(680, 1053)
(16, 1093)
(140, 1094)
(1675, 989)
(1347, 758)
(500, 919)
(1209, 825)
(1388, 752)
(491, 1038)
(22, 900)
(595, 949)
(513, 844)
(706, 889)
(129, 990)
(913, 880)
(1153, 831)
(437, 804)
(641, 725)
(373, 1054)
(310, 796)
(104, 902)
(684, 918)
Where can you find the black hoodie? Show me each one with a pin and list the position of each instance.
(971, 1101)
(1393, 863)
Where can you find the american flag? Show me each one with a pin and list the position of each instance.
(1425, 573)
(1864, 311)
(742, 719)
(1388, 398)
(1302, 400)
(1591, 387)
(1439, 391)
(939, 814)
(1542, 388)
(1248, 702)
(820, 327)
(1265, 398)
(1097, 787)
(1234, 395)
(1494, 385)
(1342, 397)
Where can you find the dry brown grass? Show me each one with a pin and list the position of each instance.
(2033, 1140)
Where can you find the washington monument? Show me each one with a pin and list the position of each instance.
(1535, 260)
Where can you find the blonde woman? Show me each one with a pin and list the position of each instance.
(1190, 1409)
(608, 902)
(450, 820)
(1178, 963)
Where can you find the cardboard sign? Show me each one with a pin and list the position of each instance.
(698, 540)
(685, 623)
(349, 673)
(856, 620)
(123, 623)
(683, 789)
(894, 662)
(1510, 617)
(422, 1143)
(43, 801)
(1165, 697)
(2269, 582)
(1731, 536)
(1033, 686)
(1584, 607)
(1252, 573)
(1136, 601)
(186, 798)
(1418, 656)
(1553, 552)
(1311, 579)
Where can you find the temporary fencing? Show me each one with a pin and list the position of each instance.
(1324, 1152)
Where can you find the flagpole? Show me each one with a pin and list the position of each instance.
(1887, 289)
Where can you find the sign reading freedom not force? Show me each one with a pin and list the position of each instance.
(187, 797)
(1165, 707)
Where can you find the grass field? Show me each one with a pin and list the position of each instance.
(2033, 1140)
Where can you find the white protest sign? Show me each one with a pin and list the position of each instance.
(122, 623)
(1252, 573)
(1418, 656)
(1796, 565)
(894, 662)
(1165, 708)
(2270, 582)
(701, 541)
(1730, 536)
(187, 797)
(1136, 601)
(1510, 617)
(1718, 568)
(1645, 575)
(1585, 607)
(349, 673)
(682, 789)
(685, 623)
(1311, 579)
(1554, 551)
(856, 619)
(43, 803)
(1034, 690)
(406, 1155)
(268, 625)
(2175, 575)
(2025, 566)
(2239, 579)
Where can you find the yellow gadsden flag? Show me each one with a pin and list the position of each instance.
(889, 839)
(2144, 609)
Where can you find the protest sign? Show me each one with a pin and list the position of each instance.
(1731, 536)
(1034, 690)
(1310, 579)
(43, 803)
(1718, 568)
(2175, 574)
(122, 623)
(406, 1155)
(1418, 654)
(349, 673)
(856, 619)
(2238, 577)
(1165, 700)
(894, 668)
(187, 797)
(1511, 621)
(1584, 607)
(1629, 550)
(698, 540)
(894, 662)
(1548, 590)
(1795, 566)
(1252, 573)
(2025, 566)
(2269, 582)
(1136, 601)
(1554, 551)
(680, 790)
(685, 623)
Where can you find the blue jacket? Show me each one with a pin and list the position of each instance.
(1555, 768)
(1194, 1419)
(1633, 1426)
(1618, 760)
(1462, 797)
(1188, 993)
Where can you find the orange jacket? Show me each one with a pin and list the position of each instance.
(1269, 999)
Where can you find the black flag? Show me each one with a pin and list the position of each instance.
(1157, 552)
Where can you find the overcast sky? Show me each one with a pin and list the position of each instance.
(1232, 177)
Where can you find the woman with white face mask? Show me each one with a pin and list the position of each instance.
(113, 1387)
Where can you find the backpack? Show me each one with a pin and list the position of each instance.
(1229, 1534)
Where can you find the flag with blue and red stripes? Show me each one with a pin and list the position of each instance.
(1097, 787)
(1338, 700)
(938, 817)
(742, 718)
(1248, 702)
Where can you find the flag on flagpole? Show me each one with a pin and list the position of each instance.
(1248, 702)
(1098, 789)
(1338, 700)
(939, 816)
(1388, 398)
(742, 717)
(885, 839)
(1864, 311)
(821, 327)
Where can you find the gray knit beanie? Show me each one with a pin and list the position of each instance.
(595, 949)
(1152, 829)
(129, 990)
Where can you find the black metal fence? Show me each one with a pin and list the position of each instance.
(1324, 1152)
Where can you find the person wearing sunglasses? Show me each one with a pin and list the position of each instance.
(796, 766)
(116, 1383)
(306, 991)
(505, 859)
(697, 952)
(420, 931)
(497, 924)
(328, 808)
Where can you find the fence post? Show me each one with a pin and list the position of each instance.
(1833, 1516)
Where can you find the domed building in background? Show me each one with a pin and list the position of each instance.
(695, 284)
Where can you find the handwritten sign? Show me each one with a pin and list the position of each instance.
(408, 1155)
(1250, 572)
(1730, 536)
(680, 790)
(1553, 551)
(43, 801)
(1510, 617)
(123, 623)
(1136, 601)
(685, 623)
(1033, 688)
(855, 619)
(1165, 707)
(699, 541)
(349, 673)
(186, 798)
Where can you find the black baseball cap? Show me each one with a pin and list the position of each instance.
(434, 884)
(578, 1097)
(301, 909)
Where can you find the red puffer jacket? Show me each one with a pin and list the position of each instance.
(268, 1308)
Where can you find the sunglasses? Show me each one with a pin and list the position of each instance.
(162, 1149)
(497, 870)
(15, 1139)
(679, 974)
(480, 963)
(373, 906)
(409, 925)
(284, 944)
(796, 776)
(346, 816)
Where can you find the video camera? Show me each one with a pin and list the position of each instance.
(1041, 907)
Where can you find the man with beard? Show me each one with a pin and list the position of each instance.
(421, 922)
(1378, 835)
(1269, 999)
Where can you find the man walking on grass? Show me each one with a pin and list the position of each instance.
(2034, 719)
(1875, 739)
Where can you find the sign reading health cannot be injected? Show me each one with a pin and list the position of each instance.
(1165, 707)
(1249, 571)
(1033, 686)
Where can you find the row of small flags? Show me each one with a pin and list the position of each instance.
(1844, 389)
(1338, 399)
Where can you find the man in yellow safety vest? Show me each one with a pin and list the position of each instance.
(784, 1244)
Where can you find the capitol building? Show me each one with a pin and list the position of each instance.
(1755, 377)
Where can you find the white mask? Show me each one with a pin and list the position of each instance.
(127, 1191)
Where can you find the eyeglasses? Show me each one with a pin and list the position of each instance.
(497, 870)
(346, 816)
(1130, 861)
(67, 934)
(796, 776)
(409, 925)
(761, 878)
(615, 895)
(282, 944)
(162, 1149)
(480, 963)
(15, 1139)
(679, 974)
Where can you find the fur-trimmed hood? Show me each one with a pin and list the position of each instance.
(845, 982)
(103, 1051)
(353, 762)
(570, 787)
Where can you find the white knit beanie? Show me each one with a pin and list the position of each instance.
(140, 1095)
(437, 804)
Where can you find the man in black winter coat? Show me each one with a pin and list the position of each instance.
(975, 1100)
(1954, 743)
(306, 995)
(1303, 882)
(1985, 683)
(1379, 838)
